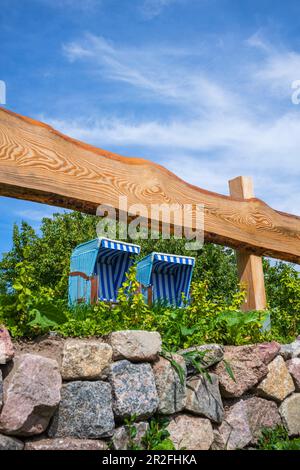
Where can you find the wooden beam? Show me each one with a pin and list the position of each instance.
(40, 164)
(250, 267)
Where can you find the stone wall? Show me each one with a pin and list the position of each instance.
(77, 393)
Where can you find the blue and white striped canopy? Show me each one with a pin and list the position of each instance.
(107, 259)
(169, 275)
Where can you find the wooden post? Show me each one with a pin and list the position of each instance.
(150, 295)
(250, 267)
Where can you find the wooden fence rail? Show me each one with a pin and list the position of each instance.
(40, 164)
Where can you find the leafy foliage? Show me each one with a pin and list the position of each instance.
(277, 439)
(197, 323)
(33, 292)
(283, 289)
(157, 436)
(49, 254)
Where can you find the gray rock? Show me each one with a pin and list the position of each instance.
(85, 359)
(31, 395)
(85, 411)
(67, 443)
(171, 391)
(10, 443)
(191, 432)
(234, 432)
(135, 345)
(203, 397)
(288, 351)
(209, 355)
(278, 384)
(134, 390)
(293, 366)
(290, 413)
(121, 439)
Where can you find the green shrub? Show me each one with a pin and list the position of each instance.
(283, 289)
(277, 439)
(157, 436)
(204, 320)
(33, 293)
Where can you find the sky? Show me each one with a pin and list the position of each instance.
(203, 87)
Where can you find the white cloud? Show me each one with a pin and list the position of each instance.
(210, 152)
(36, 215)
(152, 8)
(219, 127)
(258, 41)
(278, 67)
(156, 71)
(83, 5)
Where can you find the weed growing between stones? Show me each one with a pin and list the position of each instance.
(277, 439)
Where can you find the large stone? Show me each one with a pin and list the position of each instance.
(85, 411)
(10, 443)
(293, 366)
(67, 443)
(290, 413)
(134, 390)
(170, 389)
(268, 351)
(288, 351)
(261, 414)
(135, 345)
(207, 355)
(85, 359)
(278, 384)
(234, 432)
(122, 439)
(31, 395)
(247, 368)
(191, 432)
(203, 397)
(6, 346)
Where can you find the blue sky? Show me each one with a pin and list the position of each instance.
(203, 87)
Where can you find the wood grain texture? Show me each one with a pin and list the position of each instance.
(250, 267)
(39, 164)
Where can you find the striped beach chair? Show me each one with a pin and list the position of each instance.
(164, 277)
(98, 269)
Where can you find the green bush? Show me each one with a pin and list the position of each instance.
(204, 320)
(33, 293)
(49, 255)
(283, 290)
(277, 439)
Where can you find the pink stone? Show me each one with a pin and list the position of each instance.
(67, 443)
(262, 414)
(293, 366)
(268, 351)
(247, 367)
(31, 395)
(6, 346)
(234, 432)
